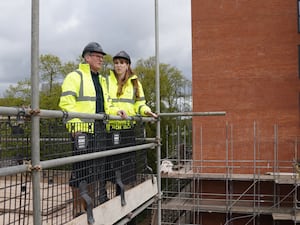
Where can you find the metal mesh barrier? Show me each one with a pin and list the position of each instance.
(15, 199)
(64, 189)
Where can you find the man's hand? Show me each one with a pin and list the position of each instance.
(122, 113)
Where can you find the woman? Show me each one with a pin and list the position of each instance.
(124, 96)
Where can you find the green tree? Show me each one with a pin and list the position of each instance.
(18, 95)
(107, 65)
(172, 84)
(68, 67)
(50, 69)
(50, 101)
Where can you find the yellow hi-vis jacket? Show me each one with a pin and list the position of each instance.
(127, 101)
(79, 95)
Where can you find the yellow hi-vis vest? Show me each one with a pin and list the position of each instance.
(79, 95)
(127, 101)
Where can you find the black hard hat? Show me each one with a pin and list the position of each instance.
(122, 55)
(93, 47)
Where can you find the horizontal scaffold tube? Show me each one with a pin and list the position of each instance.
(221, 113)
(14, 111)
(84, 157)
(6, 171)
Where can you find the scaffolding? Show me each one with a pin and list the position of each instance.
(230, 188)
(72, 186)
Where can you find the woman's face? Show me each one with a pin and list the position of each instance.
(120, 66)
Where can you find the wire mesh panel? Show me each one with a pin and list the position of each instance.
(15, 199)
(72, 189)
(80, 186)
(122, 169)
(15, 190)
(56, 195)
(55, 139)
(14, 141)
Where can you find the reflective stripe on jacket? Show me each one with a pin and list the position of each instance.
(79, 95)
(127, 101)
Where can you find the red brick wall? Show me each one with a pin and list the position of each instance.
(245, 62)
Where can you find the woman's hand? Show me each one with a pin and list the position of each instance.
(149, 113)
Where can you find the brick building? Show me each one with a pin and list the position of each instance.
(246, 62)
(245, 59)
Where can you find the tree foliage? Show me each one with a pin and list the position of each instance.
(107, 65)
(68, 67)
(50, 69)
(172, 84)
(50, 101)
(18, 95)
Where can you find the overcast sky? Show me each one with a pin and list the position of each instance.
(67, 26)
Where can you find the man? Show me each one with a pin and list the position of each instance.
(82, 92)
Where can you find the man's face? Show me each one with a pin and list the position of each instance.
(95, 60)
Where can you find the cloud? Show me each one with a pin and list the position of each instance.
(66, 27)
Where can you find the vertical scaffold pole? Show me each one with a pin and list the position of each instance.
(157, 84)
(35, 135)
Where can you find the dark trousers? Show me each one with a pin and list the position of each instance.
(91, 172)
(124, 163)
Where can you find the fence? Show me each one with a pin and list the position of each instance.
(78, 170)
